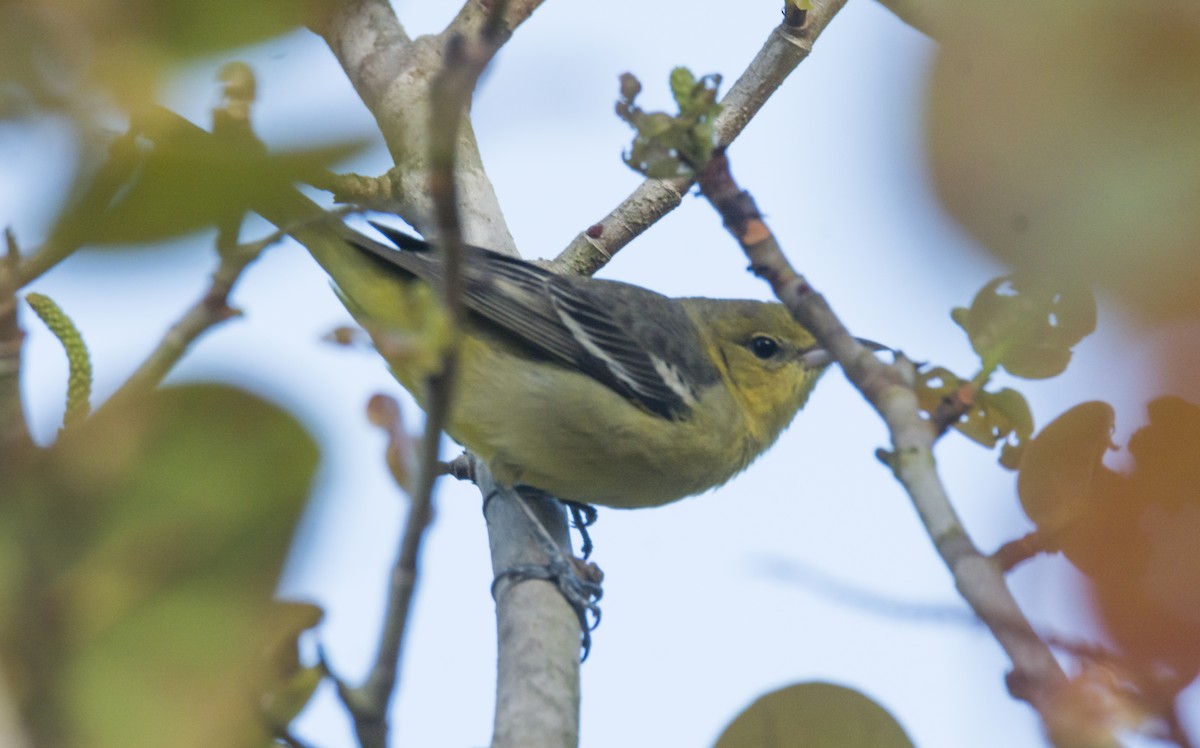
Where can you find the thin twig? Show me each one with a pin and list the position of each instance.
(785, 48)
(482, 19)
(71, 231)
(367, 192)
(1037, 677)
(210, 310)
(392, 75)
(1015, 552)
(450, 94)
(368, 703)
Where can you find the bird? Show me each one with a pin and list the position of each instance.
(593, 391)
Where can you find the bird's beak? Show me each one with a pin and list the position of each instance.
(817, 357)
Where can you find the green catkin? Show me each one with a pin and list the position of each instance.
(79, 381)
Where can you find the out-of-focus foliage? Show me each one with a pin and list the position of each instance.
(179, 179)
(671, 145)
(1134, 535)
(53, 52)
(138, 557)
(1025, 327)
(1098, 703)
(101, 62)
(814, 715)
(289, 683)
(1063, 136)
(989, 418)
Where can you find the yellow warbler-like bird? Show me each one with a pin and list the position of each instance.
(594, 391)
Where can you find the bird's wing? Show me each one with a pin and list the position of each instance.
(571, 321)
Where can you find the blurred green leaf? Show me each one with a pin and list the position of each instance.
(988, 417)
(814, 715)
(131, 45)
(1066, 144)
(153, 533)
(290, 684)
(1025, 327)
(936, 384)
(184, 180)
(1014, 423)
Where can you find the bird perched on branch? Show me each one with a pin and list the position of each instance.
(594, 391)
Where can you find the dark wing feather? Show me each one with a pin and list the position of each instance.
(566, 320)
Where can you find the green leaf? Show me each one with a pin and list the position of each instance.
(156, 531)
(1025, 327)
(290, 684)
(990, 418)
(814, 715)
(131, 45)
(934, 385)
(185, 181)
(1006, 416)
(682, 82)
(1062, 163)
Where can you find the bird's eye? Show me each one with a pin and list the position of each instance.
(763, 346)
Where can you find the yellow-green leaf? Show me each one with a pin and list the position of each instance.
(186, 180)
(154, 532)
(814, 715)
(1065, 143)
(122, 49)
(1027, 327)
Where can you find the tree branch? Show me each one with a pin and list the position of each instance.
(368, 703)
(538, 640)
(393, 74)
(537, 689)
(69, 234)
(538, 630)
(451, 92)
(785, 48)
(210, 310)
(1036, 677)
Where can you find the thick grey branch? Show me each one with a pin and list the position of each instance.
(393, 74)
(538, 678)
